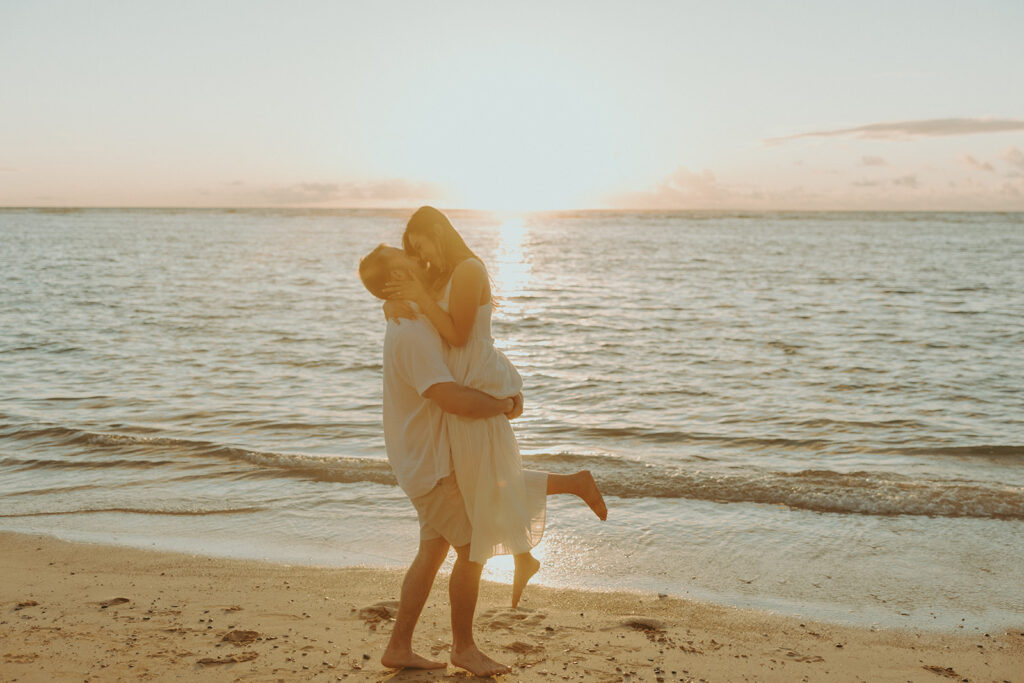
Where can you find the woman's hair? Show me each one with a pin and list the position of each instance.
(430, 222)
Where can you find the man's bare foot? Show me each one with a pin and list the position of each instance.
(397, 659)
(591, 495)
(477, 663)
(526, 566)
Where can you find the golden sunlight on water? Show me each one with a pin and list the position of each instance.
(511, 270)
(501, 568)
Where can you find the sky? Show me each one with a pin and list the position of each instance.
(559, 104)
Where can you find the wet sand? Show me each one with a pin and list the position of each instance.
(85, 612)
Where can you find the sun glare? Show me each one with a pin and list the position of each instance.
(511, 269)
(500, 139)
(501, 568)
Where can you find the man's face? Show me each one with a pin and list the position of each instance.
(403, 266)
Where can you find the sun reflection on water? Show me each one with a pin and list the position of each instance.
(501, 568)
(511, 269)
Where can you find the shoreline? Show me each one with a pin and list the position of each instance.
(78, 611)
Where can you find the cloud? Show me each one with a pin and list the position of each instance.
(874, 161)
(909, 180)
(979, 165)
(913, 189)
(909, 130)
(1014, 157)
(683, 188)
(303, 193)
(376, 192)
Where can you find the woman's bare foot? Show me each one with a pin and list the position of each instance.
(408, 660)
(526, 566)
(477, 663)
(591, 495)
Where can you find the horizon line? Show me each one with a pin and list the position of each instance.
(493, 211)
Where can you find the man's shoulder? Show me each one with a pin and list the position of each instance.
(418, 333)
(417, 329)
(414, 353)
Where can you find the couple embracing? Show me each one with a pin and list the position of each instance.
(449, 396)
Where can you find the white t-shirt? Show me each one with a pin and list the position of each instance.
(414, 434)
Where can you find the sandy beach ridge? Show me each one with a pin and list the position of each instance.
(83, 612)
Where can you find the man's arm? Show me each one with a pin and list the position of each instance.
(465, 402)
(517, 408)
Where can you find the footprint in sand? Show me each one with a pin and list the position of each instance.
(653, 629)
(510, 618)
(797, 657)
(240, 637)
(381, 611)
(639, 624)
(111, 602)
(521, 648)
(228, 659)
(948, 671)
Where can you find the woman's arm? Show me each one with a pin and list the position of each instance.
(469, 287)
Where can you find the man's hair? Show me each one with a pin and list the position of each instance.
(374, 271)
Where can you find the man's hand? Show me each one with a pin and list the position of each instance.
(517, 406)
(466, 402)
(396, 309)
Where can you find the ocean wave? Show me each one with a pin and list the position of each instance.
(27, 464)
(863, 492)
(983, 451)
(70, 436)
(819, 490)
(663, 436)
(185, 512)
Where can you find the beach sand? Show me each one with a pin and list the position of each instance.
(82, 612)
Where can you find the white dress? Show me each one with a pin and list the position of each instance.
(506, 505)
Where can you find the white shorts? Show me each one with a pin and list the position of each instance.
(442, 514)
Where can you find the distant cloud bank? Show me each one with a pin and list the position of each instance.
(1015, 158)
(909, 130)
(375, 193)
(318, 193)
(887, 187)
(978, 165)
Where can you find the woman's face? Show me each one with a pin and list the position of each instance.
(426, 250)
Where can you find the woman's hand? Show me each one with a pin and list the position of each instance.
(396, 309)
(410, 289)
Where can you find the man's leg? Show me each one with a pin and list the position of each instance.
(415, 589)
(463, 589)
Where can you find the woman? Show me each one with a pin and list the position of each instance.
(505, 505)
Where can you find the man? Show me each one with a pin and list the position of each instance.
(418, 389)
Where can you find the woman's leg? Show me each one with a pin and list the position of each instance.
(581, 484)
(526, 566)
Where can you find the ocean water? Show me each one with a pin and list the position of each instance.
(819, 414)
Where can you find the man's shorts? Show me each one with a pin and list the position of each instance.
(442, 514)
